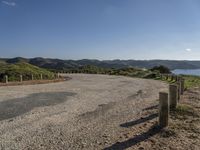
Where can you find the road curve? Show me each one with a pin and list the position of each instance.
(83, 113)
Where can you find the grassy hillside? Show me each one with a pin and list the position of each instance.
(15, 70)
(130, 71)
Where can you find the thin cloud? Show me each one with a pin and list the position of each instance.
(9, 3)
(188, 50)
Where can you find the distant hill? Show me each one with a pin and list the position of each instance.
(58, 64)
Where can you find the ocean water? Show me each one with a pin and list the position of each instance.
(187, 71)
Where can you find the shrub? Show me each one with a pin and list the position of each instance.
(161, 69)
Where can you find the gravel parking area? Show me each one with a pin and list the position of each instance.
(86, 112)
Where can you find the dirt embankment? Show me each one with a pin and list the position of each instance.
(183, 131)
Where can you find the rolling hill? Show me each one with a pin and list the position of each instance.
(22, 68)
(59, 65)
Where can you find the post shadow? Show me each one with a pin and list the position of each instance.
(139, 121)
(151, 107)
(133, 141)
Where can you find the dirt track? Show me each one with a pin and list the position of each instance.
(86, 112)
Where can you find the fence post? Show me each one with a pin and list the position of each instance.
(41, 77)
(6, 79)
(32, 78)
(161, 76)
(172, 77)
(58, 75)
(173, 95)
(167, 77)
(21, 78)
(179, 90)
(182, 86)
(176, 78)
(163, 109)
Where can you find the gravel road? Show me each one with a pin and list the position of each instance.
(83, 113)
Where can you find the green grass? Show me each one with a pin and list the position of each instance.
(13, 71)
(183, 109)
(191, 81)
(131, 72)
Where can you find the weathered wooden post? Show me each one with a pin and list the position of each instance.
(21, 78)
(161, 76)
(182, 86)
(173, 95)
(166, 76)
(177, 78)
(6, 79)
(169, 77)
(41, 77)
(172, 77)
(32, 77)
(163, 109)
(179, 89)
(58, 75)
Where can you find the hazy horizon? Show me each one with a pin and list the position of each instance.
(103, 30)
(98, 59)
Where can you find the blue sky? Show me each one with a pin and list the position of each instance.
(100, 29)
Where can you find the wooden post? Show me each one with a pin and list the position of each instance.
(6, 79)
(41, 77)
(58, 75)
(32, 78)
(179, 88)
(163, 109)
(176, 78)
(21, 78)
(182, 86)
(179, 78)
(173, 95)
(172, 77)
(166, 76)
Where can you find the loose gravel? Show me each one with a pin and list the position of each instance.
(85, 112)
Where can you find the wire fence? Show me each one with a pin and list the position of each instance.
(28, 77)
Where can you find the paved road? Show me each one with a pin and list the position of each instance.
(82, 113)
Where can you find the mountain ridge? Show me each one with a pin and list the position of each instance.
(60, 64)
